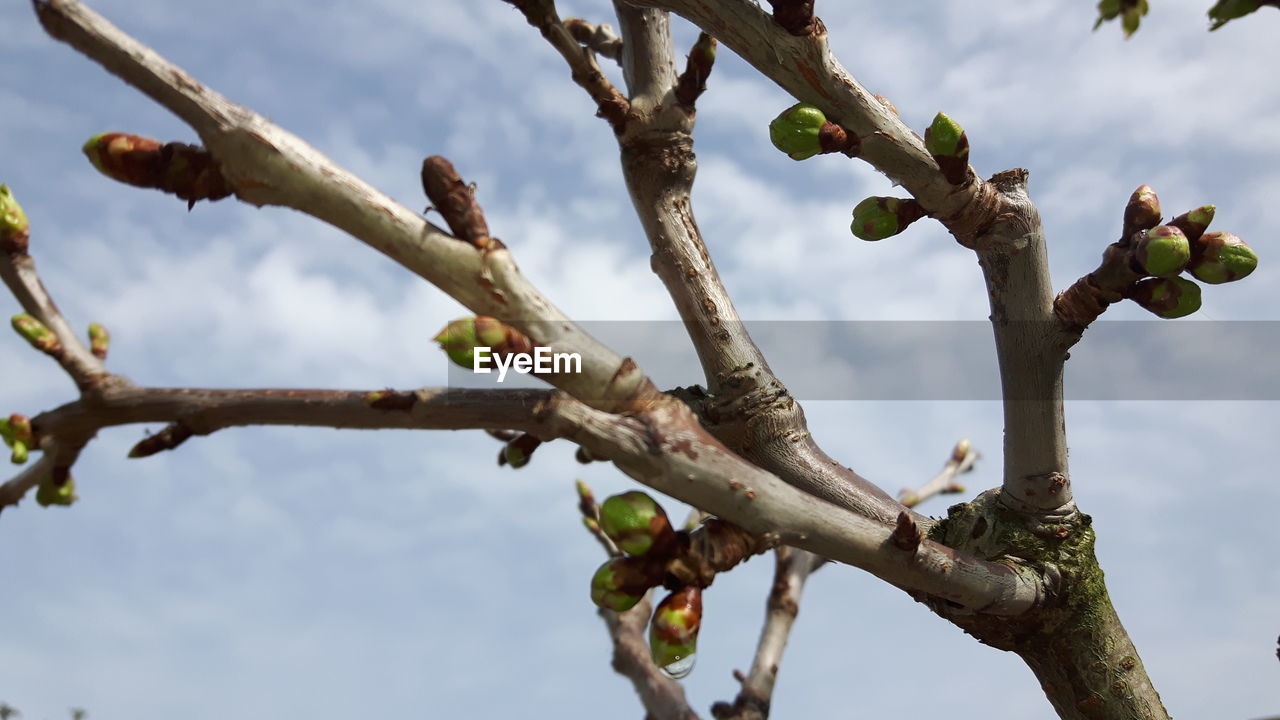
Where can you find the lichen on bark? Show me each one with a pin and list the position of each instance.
(1074, 642)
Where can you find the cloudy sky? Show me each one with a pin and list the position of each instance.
(314, 573)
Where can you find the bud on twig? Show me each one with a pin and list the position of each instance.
(35, 333)
(99, 340)
(460, 338)
(1220, 257)
(621, 582)
(1194, 223)
(1142, 212)
(1162, 251)
(795, 131)
(16, 432)
(15, 231)
(57, 489)
(877, 218)
(1167, 297)
(637, 523)
(673, 632)
(188, 171)
(947, 142)
(517, 452)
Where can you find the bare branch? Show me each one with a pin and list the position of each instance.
(749, 408)
(961, 461)
(193, 411)
(18, 270)
(266, 165)
(791, 570)
(610, 103)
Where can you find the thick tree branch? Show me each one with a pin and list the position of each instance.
(667, 449)
(1015, 265)
(269, 166)
(749, 408)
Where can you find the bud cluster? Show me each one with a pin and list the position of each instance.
(639, 527)
(15, 430)
(1182, 245)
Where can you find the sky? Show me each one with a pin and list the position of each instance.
(273, 572)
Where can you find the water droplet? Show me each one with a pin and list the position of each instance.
(680, 668)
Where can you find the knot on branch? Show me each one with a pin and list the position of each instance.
(796, 17)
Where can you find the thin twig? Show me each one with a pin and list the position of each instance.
(961, 461)
(791, 570)
(18, 270)
(610, 104)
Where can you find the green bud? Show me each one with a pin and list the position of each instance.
(19, 454)
(34, 332)
(795, 132)
(1227, 10)
(1163, 251)
(460, 338)
(707, 46)
(945, 137)
(947, 142)
(1221, 257)
(517, 452)
(514, 456)
(15, 231)
(99, 340)
(673, 632)
(637, 523)
(50, 492)
(17, 428)
(621, 582)
(1143, 210)
(877, 218)
(1193, 223)
(1167, 297)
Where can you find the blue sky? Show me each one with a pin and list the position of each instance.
(279, 572)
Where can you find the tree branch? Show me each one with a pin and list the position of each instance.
(612, 106)
(749, 409)
(195, 411)
(667, 449)
(961, 461)
(18, 270)
(791, 570)
(269, 166)
(804, 66)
